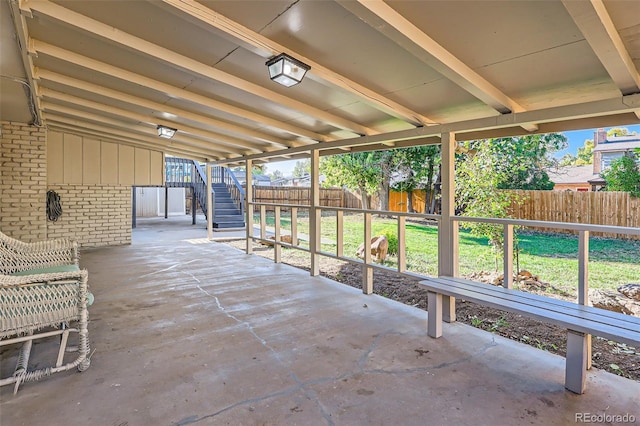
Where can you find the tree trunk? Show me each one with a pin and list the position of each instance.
(383, 193)
(410, 202)
(365, 198)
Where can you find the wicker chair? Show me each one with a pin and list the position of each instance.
(43, 293)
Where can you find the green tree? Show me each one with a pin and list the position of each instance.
(359, 171)
(416, 169)
(302, 168)
(276, 174)
(623, 175)
(585, 154)
(478, 195)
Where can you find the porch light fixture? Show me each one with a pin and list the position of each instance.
(166, 132)
(286, 70)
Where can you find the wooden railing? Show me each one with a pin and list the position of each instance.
(584, 231)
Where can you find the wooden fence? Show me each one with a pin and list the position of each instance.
(598, 208)
(329, 197)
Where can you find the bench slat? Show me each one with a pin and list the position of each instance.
(509, 302)
(587, 312)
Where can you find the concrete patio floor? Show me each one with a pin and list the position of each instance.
(186, 331)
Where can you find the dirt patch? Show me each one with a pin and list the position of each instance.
(607, 355)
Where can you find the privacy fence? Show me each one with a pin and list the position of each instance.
(598, 208)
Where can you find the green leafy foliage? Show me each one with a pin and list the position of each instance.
(623, 175)
(392, 238)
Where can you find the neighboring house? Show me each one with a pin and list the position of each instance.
(304, 181)
(572, 178)
(605, 150)
(258, 180)
(587, 178)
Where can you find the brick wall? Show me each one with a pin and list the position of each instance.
(95, 215)
(23, 181)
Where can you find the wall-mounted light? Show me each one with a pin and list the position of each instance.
(166, 132)
(286, 70)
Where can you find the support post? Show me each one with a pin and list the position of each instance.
(583, 281)
(134, 207)
(448, 229)
(434, 308)
(367, 270)
(576, 367)
(507, 272)
(209, 204)
(193, 205)
(166, 202)
(249, 206)
(314, 214)
(263, 222)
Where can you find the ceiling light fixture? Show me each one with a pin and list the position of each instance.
(166, 132)
(286, 70)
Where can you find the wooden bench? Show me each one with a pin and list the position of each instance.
(580, 321)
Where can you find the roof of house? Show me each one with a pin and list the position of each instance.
(572, 174)
(618, 144)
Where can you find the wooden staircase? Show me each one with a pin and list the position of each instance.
(227, 193)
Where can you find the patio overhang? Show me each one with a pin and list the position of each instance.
(382, 74)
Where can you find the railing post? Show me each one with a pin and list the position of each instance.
(339, 233)
(263, 222)
(277, 248)
(367, 270)
(402, 249)
(583, 281)
(294, 226)
(507, 280)
(193, 205)
(249, 209)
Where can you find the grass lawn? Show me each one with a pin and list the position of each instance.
(553, 257)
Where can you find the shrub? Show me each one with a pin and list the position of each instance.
(392, 238)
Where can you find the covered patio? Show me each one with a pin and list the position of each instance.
(179, 338)
(184, 330)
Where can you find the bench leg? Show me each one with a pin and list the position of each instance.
(434, 309)
(576, 368)
(449, 308)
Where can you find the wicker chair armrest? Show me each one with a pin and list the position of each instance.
(45, 279)
(16, 255)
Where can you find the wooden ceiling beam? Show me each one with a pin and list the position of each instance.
(222, 143)
(267, 48)
(595, 23)
(436, 56)
(114, 35)
(159, 110)
(40, 47)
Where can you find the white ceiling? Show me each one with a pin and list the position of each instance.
(382, 74)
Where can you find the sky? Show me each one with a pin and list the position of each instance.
(575, 138)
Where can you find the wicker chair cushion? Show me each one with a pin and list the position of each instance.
(48, 270)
